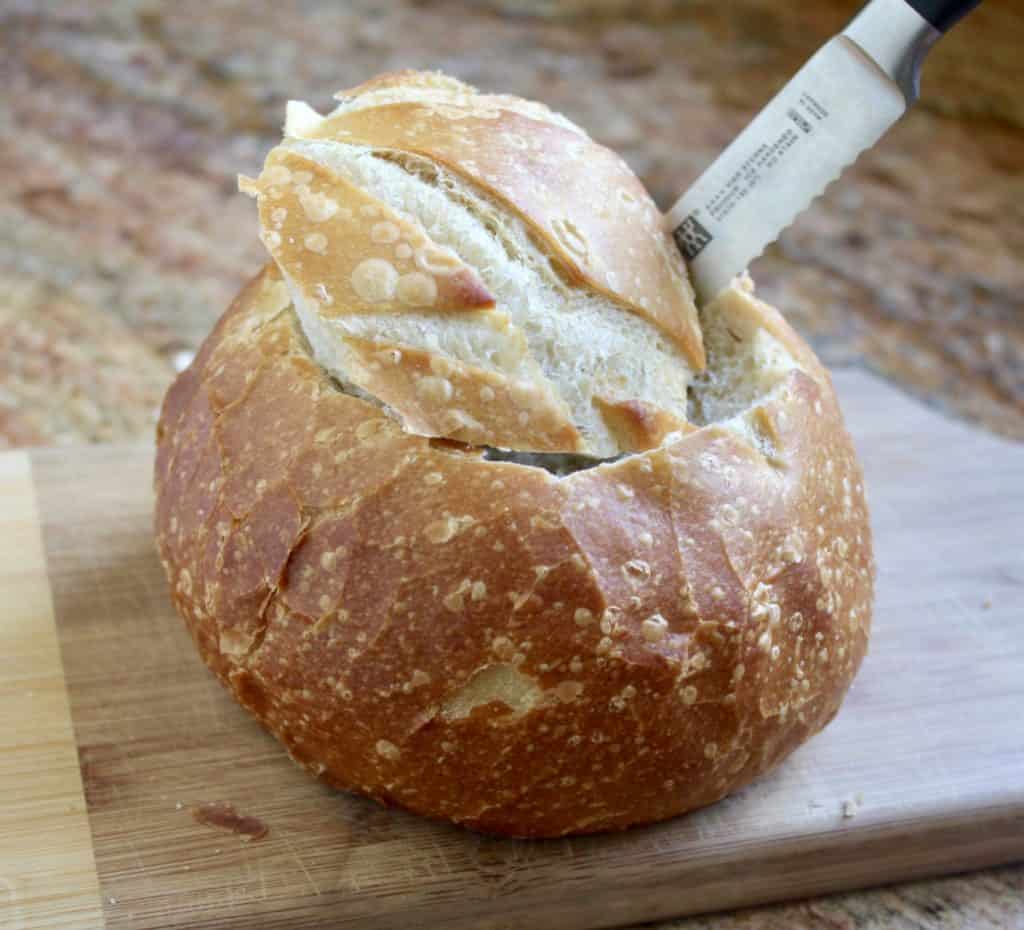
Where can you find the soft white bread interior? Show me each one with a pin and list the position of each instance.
(545, 342)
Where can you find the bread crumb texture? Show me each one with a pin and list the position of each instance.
(480, 640)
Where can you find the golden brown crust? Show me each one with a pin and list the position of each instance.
(346, 251)
(747, 312)
(638, 426)
(579, 199)
(443, 89)
(437, 396)
(405, 78)
(660, 630)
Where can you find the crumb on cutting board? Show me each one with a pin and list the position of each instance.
(850, 806)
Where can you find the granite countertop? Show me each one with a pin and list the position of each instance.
(122, 237)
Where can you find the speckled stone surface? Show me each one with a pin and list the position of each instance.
(124, 123)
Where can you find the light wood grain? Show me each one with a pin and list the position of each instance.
(47, 872)
(930, 738)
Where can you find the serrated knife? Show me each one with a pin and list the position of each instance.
(839, 104)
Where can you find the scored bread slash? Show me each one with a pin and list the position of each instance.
(571, 192)
(349, 252)
(450, 398)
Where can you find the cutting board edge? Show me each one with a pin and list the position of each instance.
(984, 838)
(50, 824)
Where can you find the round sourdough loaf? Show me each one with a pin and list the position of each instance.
(470, 506)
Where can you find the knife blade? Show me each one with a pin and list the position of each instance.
(839, 104)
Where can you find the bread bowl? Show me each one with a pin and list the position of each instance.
(476, 512)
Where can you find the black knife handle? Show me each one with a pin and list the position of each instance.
(943, 14)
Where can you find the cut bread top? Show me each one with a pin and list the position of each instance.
(481, 268)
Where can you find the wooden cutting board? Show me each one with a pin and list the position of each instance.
(111, 730)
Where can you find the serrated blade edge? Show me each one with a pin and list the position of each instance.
(839, 104)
